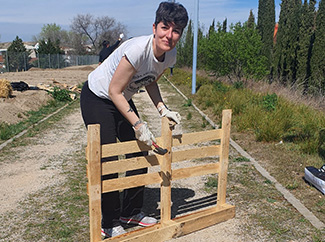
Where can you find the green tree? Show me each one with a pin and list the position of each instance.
(235, 53)
(18, 56)
(317, 60)
(265, 26)
(251, 20)
(50, 54)
(224, 25)
(286, 48)
(186, 54)
(306, 41)
(53, 32)
(212, 28)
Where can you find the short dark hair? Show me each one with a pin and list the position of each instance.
(105, 43)
(170, 12)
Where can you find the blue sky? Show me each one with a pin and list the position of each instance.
(26, 18)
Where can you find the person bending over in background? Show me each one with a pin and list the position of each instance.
(106, 100)
(107, 49)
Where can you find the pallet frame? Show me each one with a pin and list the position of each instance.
(167, 228)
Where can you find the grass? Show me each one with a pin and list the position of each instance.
(8, 131)
(270, 117)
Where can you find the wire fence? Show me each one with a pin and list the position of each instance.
(16, 61)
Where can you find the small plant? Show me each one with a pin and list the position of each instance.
(211, 184)
(188, 103)
(189, 116)
(239, 85)
(292, 186)
(241, 159)
(270, 102)
(61, 95)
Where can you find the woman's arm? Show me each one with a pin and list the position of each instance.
(154, 93)
(155, 96)
(123, 74)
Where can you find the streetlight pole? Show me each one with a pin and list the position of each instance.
(196, 20)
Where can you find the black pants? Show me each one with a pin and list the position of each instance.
(113, 125)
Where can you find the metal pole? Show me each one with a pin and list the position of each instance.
(196, 20)
(7, 57)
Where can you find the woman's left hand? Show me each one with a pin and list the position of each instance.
(175, 116)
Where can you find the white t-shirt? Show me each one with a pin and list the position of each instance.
(139, 52)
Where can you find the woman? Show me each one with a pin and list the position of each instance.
(106, 100)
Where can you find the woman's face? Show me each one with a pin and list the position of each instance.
(166, 36)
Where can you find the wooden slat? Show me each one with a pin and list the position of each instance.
(222, 178)
(195, 171)
(137, 146)
(166, 171)
(181, 226)
(94, 181)
(154, 160)
(195, 153)
(197, 137)
(123, 148)
(130, 181)
(130, 164)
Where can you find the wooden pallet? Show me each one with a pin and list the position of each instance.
(167, 228)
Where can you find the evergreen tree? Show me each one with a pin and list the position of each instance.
(286, 48)
(318, 53)
(265, 26)
(224, 25)
(306, 39)
(188, 46)
(50, 54)
(212, 28)
(18, 56)
(251, 20)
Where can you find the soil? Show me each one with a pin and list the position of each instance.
(14, 109)
(39, 165)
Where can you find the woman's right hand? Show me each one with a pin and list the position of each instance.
(142, 133)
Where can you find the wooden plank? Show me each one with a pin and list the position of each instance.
(154, 160)
(203, 219)
(94, 181)
(222, 177)
(130, 181)
(182, 225)
(130, 164)
(123, 148)
(195, 171)
(195, 153)
(197, 137)
(137, 146)
(166, 173)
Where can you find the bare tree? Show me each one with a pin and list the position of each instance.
(97, 29)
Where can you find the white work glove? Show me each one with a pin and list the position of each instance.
(144, 134)
(175, 116)
(121, 36)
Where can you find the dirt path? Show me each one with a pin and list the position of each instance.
(26, 171)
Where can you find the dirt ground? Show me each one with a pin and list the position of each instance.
(39, 166)
(14, 109)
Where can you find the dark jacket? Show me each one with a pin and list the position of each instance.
(106, 51)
